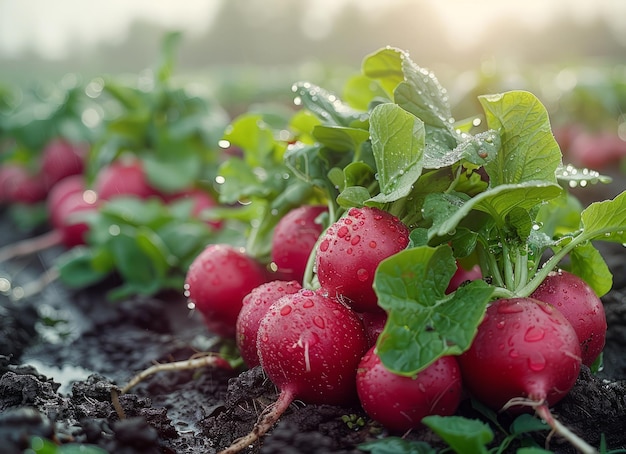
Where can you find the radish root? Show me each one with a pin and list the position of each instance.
(30, 246)
(270, 415)
(193, 363)
(542, 410)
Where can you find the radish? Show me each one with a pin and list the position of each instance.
(576, 300)
(64, 201)
(18, 185)
(350, 251)
(255, 305)
(525, 354)
(374, 323)
(399, 402)
(310, 347)
(462, 275)
(294, 238)
(123, 177)
(60, 159)
(216, 283)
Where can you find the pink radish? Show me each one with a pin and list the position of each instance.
(18, 185)
(350, 251)
(255, 305)
(216, 283)
(462, 275)
(124, 177)
(310, 347)
(294, 237)
(398, 402)
(60, 159)
(525, 355)
(524, 348)
(573, 297)
(374, 323)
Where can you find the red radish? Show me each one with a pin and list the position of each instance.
(294, 238)
(573, 297)
(74, 184)
(123, 178)
(374, 323)
(18, 185)
(462, 275)
(67, 218)
(310, 347)
(216, 283)
(350, 251)
(523, 348)
(398, 402)
(60, 159)
(255, 305)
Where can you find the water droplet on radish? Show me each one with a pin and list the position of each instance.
(324, 245)
(355, 240)
(285, 310)
(373, 244)
(534, 334)
(510, 308)
(362, 275)
(307, 292)
(308, 304)
(342, 232)
(536, 362)
(319, 322)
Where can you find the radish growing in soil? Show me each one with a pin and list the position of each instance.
(216, 283)
(525, 354)
(61, 159)
(573, 297)
(350, 251)
(399, 402)
(310, 347)
(255, 305)
(294, 237)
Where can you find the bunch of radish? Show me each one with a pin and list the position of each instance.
(426, 249)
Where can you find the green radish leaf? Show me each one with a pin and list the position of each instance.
(353, 196)
(385, 66)
(529, 151)
(526, 423)
(325, 105)
(580, 177)
(396, 445)
(240, 182)
(587, 263)
(173, 172)
(559, 216)
(250, 133)
(423, 323)
(498, 202)
(463, 435)
(398, 145)
(359, 91)
(76, 268)
(340, 138)
(606, 220)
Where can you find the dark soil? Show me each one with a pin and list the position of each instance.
(63, 352)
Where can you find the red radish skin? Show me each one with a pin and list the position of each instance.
(18, 185)
(60, 159)
(374, 323)
(216, 283)
(398, 402)
(255, 305)
(310, 347)
(68, 186)
(524, 348)
(461, 275)
(294, 238)
(123, 178)
(68, 218)
(350, 251)
(577, 301)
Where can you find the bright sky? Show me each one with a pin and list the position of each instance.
(47, 26)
